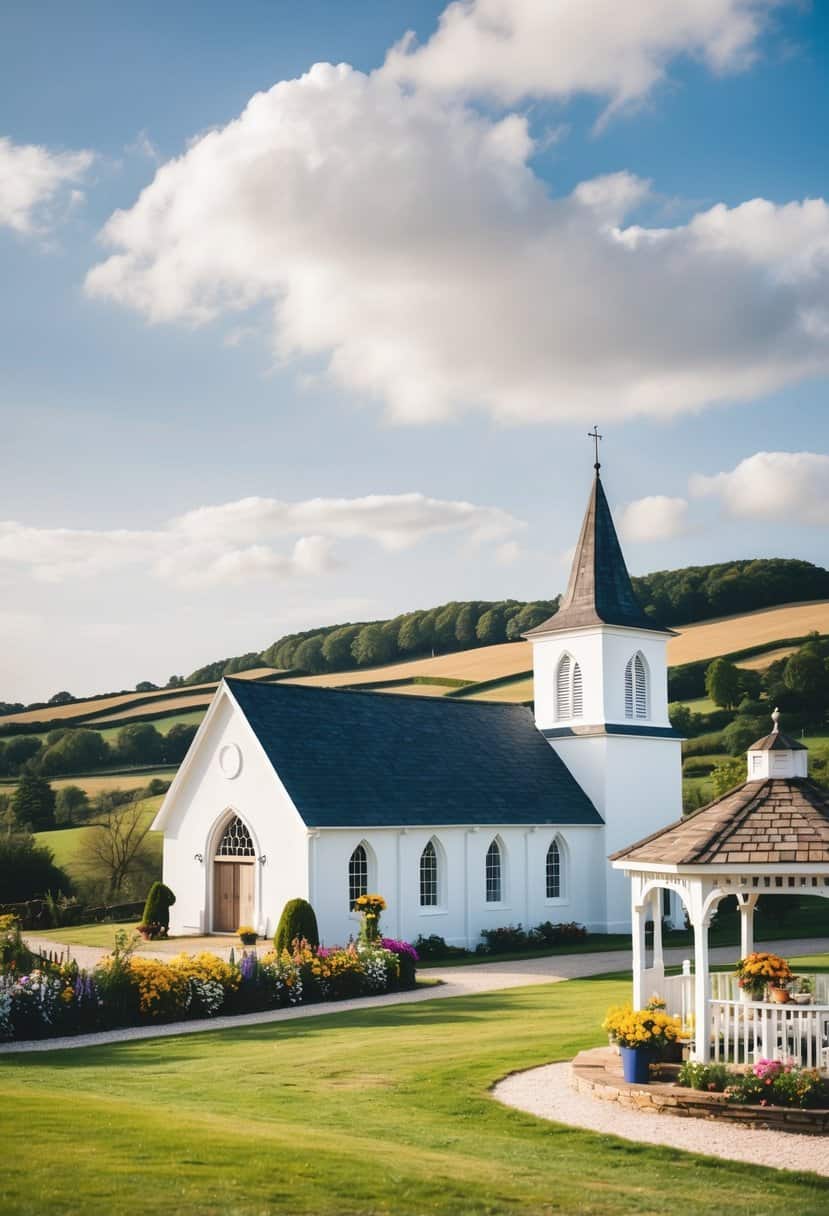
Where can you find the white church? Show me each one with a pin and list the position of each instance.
(463, 815)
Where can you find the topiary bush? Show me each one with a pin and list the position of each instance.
(156, 918)
(297, 920)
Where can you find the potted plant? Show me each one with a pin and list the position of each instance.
(804, 990)
(370, 907)
(640, 1034)
(247, 935)
(757, 970)
(151, 929)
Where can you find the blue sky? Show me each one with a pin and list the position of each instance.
(323, 365)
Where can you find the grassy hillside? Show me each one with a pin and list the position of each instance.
(732, 633)
(68, 844)
(96, 782)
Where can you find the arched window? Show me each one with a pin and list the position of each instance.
(357, 875)
(553, 873)
(429, 876)
(569, 689)
(636, 688)
(493, 874)
(235, 841)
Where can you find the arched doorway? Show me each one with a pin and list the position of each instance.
(233, 878)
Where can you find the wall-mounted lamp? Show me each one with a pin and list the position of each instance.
(199, 857)
(262, 859)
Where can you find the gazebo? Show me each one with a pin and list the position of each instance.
(769, 836)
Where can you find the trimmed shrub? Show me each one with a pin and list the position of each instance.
(157, 908)
(297, 921)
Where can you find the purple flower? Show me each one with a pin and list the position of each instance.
(396, 947)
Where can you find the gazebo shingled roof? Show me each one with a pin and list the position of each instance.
(759, 823)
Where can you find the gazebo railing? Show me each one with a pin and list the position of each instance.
(724, 987)
(743, 1032)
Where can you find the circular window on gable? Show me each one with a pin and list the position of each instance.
(230, 760)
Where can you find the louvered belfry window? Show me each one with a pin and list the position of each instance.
(493, 873)
(357, 875)
(569, 689)
(429, 877)
(236, 841)
(553, 871)
(636, 688)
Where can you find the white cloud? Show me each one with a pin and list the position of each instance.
(33, 179)
(790, 486)
(511, 50)
(230, 543)
(404, 240)
(654, 518)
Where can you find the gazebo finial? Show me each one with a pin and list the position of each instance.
(775, 717)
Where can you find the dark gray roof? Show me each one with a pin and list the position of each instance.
(352, 759)
(599, 591)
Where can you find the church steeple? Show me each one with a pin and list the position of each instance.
(599, 591)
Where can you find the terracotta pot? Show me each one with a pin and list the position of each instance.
(779, 995)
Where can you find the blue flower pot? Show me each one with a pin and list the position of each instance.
(636, 1062)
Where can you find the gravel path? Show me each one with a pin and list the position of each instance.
(454, 981)
(546, 1092)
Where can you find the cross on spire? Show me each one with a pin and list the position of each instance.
(596, 437)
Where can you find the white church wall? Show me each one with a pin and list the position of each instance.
(210, 788)
(462, 911)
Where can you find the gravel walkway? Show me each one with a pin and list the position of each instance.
(454, 981)
(546, 1092)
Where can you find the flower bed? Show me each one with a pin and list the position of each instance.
(768, 1083)
(128, 990)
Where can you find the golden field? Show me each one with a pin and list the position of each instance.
(710, 638)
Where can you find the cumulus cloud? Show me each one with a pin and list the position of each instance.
(774, 486)
(402, 239)
(510, 50)
(654, 518)
(33, 179)
(230, 543)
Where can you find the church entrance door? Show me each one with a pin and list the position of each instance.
(232, 895)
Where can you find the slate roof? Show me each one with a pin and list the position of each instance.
(760, 823)
(353, 759)
(599, 591)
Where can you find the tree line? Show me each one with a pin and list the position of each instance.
(70, 750)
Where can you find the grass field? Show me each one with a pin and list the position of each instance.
(103, 781)
(195, 701)
(67, 844)
(518, 690)
(375, 1111)
(710, 638)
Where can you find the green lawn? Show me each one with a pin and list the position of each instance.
(376, 1111)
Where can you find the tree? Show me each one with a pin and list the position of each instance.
(175, 682)
(21, 749)
(490, 627)
(410, 633)
(336, 649)
(146, 686)
(139, 743)
(76, 751)
(176, 742)
(739, 735)
(465, 623)
(157, 905)
(71, 804)
(445, 625)
(725, 776)
(115, 849)
(372, 646)
(297, 921)
(308, 654)
(61, 698)
(722, 683)
(806, 675)
(33, 803)
(28, 870)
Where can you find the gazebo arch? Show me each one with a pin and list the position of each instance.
(768, 836)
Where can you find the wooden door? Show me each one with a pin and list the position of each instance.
(233, 888)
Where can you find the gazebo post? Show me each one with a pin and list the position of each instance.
(656, 914)
(638, 935)
(747, 903)
(702, 980)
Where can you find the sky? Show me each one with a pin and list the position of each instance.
(306, 310)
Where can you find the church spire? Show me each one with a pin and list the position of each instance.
(599, 591)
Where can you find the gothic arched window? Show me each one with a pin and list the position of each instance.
(636, 687)
(569, 689)
(429, 876)
(494, 885)
(357, 875)
(553, 871)
(235, 841)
